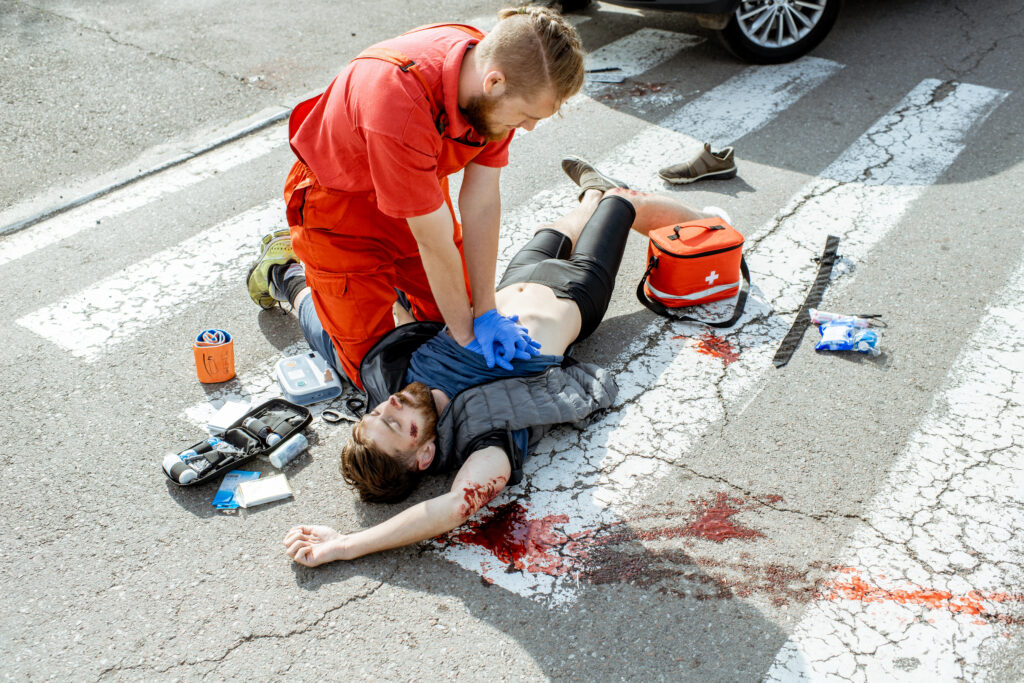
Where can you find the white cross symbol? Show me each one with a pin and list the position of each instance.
(711, 278)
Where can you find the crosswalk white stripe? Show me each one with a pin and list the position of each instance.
(636, 53)
(743, 104)
(670, 395)
(92, 215)
(863, 194)
(929, 580)
(631, 56)
(121, 306)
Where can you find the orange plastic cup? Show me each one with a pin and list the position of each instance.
(215, 356)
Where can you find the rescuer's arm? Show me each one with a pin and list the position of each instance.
(480, 210)
(442, 263)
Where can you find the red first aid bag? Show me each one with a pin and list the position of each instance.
(694, 263)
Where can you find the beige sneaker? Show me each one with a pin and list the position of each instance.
(587, 177)
(707, 164)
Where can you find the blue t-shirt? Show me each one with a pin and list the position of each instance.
(442, 364)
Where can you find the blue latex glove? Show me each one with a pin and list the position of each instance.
(526, 346)
(500, 339)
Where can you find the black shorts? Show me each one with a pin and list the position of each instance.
(587, 274)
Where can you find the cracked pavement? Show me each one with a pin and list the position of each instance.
(846, 518)
(932, 582)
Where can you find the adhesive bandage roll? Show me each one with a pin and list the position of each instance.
(214, 352)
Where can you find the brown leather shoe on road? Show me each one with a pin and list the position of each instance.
(707, 164)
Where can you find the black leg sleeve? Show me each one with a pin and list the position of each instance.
(603, 239)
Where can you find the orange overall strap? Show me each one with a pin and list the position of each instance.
(407, 65)
(475, 32)
(301, 110)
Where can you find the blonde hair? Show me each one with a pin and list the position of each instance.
(536, 49)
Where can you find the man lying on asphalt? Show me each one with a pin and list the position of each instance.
(439, 408)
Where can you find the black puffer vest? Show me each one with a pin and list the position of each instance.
(569, 392)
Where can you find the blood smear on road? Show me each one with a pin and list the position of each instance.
(710, 345)
(538, 546)
(971, 603)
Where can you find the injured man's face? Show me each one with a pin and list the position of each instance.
(402, 423)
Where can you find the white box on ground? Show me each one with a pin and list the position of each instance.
(307, 378)
(259, 491)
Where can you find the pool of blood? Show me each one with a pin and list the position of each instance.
(523, 544)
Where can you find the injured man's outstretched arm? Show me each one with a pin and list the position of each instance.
(478, 481)
(559, 284)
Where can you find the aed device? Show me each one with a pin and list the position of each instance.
(307, 379)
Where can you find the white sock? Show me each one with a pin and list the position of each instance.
(718, 211)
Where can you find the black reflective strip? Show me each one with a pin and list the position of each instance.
(803, 317)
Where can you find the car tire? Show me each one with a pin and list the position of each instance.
(776, 31)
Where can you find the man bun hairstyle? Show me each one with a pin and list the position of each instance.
(377, 476)
(536, 48)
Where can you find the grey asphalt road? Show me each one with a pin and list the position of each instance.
(110, 573)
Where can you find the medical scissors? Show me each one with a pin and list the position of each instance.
(355, 407)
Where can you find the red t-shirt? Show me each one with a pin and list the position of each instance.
(373, 129)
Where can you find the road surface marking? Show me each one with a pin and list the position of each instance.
(670, 393)
(119, 307)
(629, 56)
(92, 215)
(740, 106)
(934, 581)
(632, 55)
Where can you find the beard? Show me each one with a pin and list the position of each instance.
(423, 402)
(478, 114)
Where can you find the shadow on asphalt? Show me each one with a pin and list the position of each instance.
(650, 615)
(869, 36)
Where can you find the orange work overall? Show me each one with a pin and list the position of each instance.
(355, 256)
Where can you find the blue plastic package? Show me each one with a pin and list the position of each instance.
(866, 341)
(845, 335)
(225, 497)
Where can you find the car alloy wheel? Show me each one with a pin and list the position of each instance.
(772, 31)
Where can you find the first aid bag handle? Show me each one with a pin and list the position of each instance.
(675, 230)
